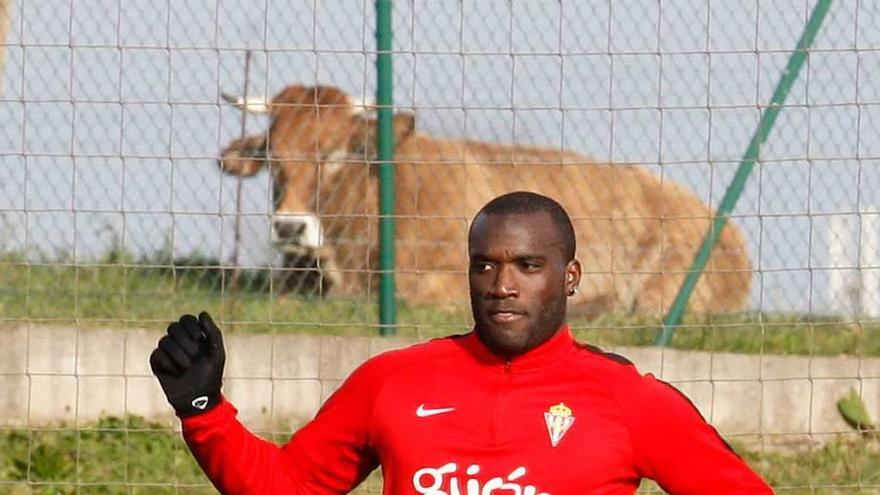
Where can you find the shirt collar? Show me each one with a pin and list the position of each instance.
(548, 353)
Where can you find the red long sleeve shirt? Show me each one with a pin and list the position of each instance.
(448, 417)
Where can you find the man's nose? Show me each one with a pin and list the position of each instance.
(504, 285)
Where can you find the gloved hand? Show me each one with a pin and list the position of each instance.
(189, 364)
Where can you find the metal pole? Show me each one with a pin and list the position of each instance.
(236, 270)
(385, 146)
(673, 318)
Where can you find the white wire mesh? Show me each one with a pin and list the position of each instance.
(114, 214)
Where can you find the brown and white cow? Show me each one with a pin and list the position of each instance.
(636, 234)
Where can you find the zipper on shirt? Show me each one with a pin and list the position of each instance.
(500, 392)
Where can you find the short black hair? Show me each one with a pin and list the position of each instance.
(526, 202)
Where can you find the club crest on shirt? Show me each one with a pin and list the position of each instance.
(559, 419)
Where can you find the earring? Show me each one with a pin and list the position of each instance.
(572, 291)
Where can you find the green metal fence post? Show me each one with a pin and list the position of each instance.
(385, 146)
(673, 318)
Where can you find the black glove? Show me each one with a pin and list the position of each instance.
(189, 364)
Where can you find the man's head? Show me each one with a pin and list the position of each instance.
(522, 268)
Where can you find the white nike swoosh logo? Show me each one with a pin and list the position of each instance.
(424, 412)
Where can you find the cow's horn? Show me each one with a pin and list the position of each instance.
(252, 104)
(361, 106)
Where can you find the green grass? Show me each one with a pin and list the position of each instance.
(114, 456)
(133, 457)
(838, 467)
(118, 291)
(139, 294)
(744, 333)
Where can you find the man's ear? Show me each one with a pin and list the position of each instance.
(573, 273)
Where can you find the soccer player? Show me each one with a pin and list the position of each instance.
(515, 407)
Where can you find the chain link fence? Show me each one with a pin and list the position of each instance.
(114, 213)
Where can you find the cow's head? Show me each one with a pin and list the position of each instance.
(306, 144)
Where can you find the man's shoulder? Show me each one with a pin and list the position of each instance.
(596, 357)
(620, 375)
(624, 380)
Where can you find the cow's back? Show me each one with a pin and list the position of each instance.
(636, 235)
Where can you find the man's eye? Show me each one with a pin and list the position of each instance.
(529, 266)
(481, 267)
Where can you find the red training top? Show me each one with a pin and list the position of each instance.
(448, 417)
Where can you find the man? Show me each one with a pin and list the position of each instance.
(516, 406)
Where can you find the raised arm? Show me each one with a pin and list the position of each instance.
(329, 455)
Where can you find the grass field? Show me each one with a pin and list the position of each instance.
(118, 291)
(134, 457)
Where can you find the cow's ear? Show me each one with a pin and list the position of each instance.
(404, 125)
(363, 139)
